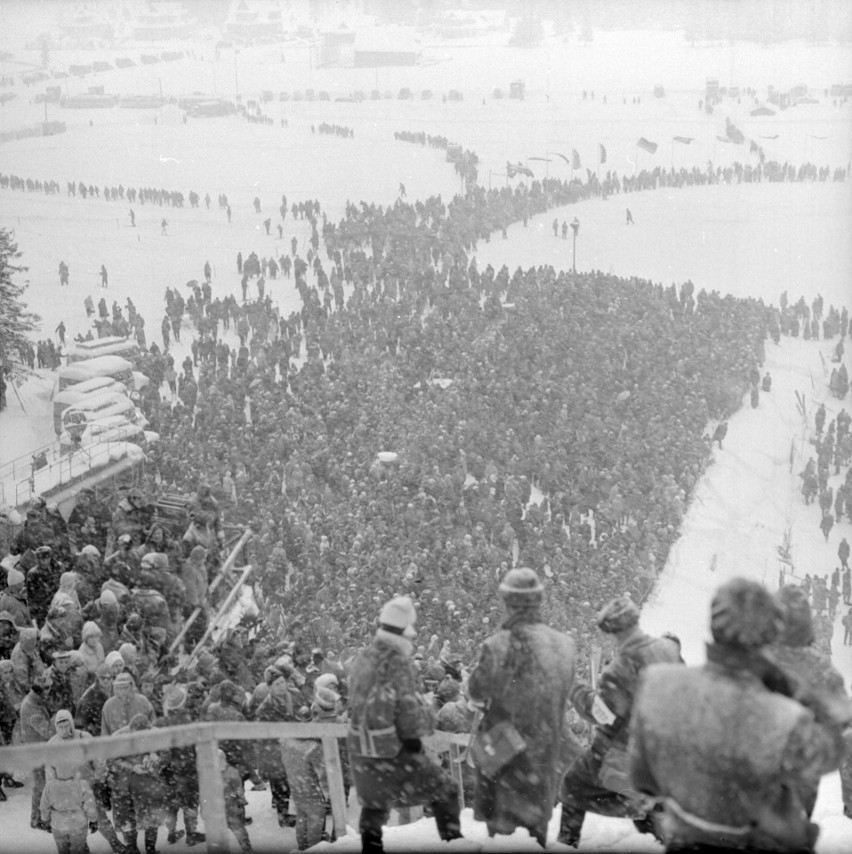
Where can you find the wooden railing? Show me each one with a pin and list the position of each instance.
(205, 738)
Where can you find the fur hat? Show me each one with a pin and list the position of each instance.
(230, 692)
(398, 617)
(618, 615)
(521, 587)
(155, 560)
(745, 615)
(206, 659)
(798, 623)
(326, 680)
(326, 699)
(174, 698)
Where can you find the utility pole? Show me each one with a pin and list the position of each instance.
(575, 227)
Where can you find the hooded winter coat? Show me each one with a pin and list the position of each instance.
(26, 661)
(388, 718)
(726, 756)
(14, 601)
(68, 805)
(524, 675)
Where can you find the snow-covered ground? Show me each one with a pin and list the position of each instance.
(756, 240)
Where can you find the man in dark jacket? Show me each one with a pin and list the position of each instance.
(721, 747)
(180, 770)
(388, 720)
(524, 676)
(88, 714)
(597, 781)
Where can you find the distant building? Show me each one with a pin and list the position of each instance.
(254, 19)
(161, 22)
(386, 46)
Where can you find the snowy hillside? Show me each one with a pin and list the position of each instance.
(747, 240)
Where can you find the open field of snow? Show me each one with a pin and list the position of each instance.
(748, 240)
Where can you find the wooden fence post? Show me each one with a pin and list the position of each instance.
(456, 759)
(336, 792)
(211, 796)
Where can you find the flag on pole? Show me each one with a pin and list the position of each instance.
(647, 145)
(563, 157)
(544, 159)
(684, 139)
(814, 136)
(523, 170)
(602, 153)
(575, 159)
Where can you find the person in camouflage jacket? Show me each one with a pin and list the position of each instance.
(388, 720)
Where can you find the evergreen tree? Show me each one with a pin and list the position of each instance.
(16, 321)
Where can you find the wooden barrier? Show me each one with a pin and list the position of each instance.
(205, 737)
(220, 575)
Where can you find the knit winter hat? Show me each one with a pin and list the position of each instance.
(128, 652)
(90, 550)
(14, 577)
(103, 669)
(107, 597)
(745, 615)
(618, 615)
(90, 628)
(798, 623)
(123, 678)
(398, 617)
(198, 554)
(113, 658)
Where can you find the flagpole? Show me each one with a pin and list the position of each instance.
(636, 160)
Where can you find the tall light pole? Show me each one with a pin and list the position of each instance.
(575, 227)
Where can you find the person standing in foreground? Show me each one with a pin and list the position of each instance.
(388, 719)
(523, 676)
(598, 781)
(721, 747)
